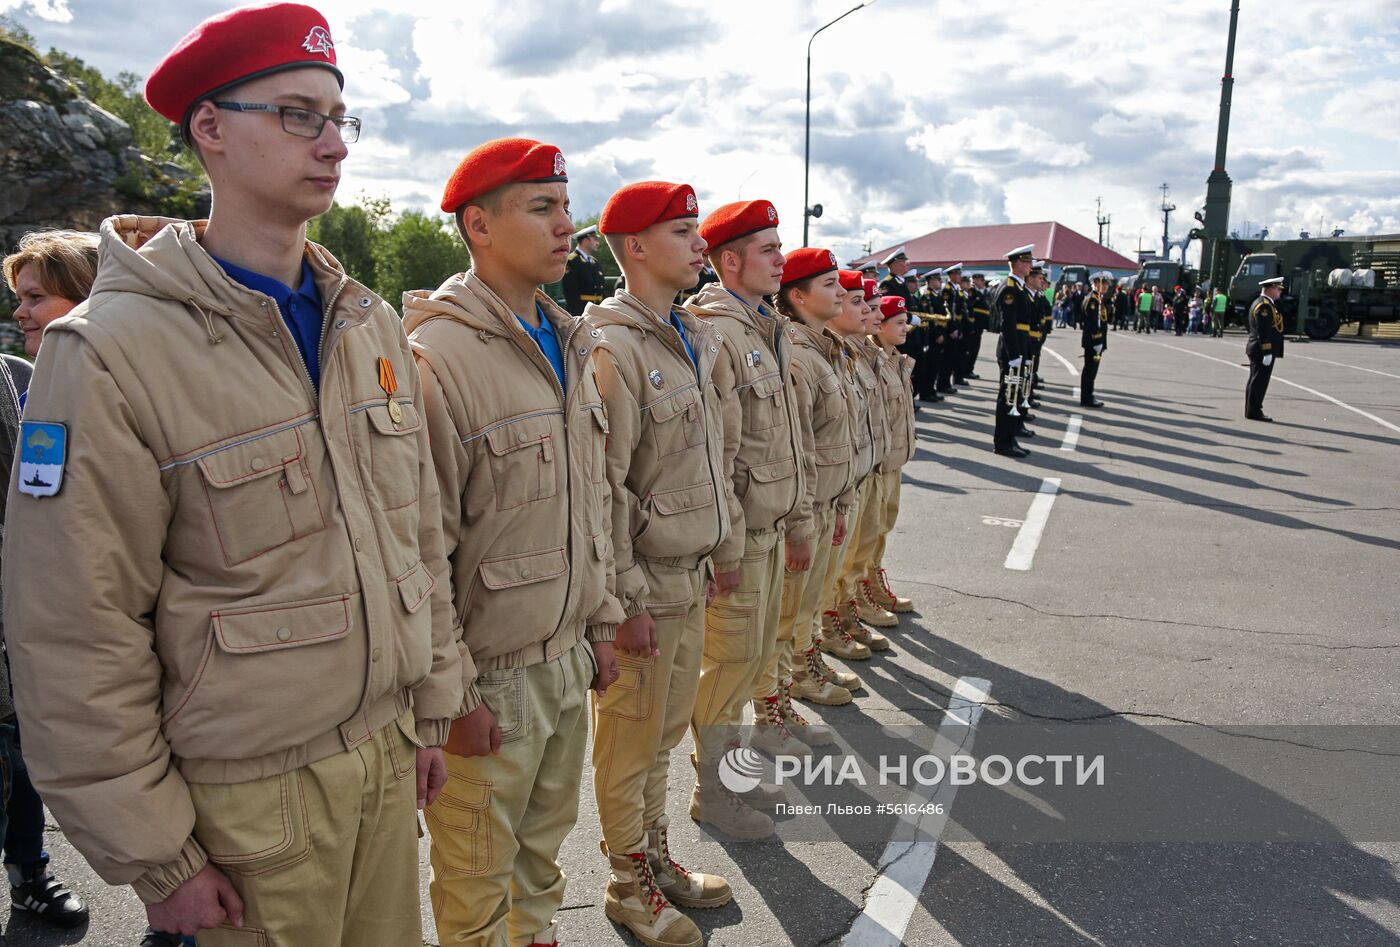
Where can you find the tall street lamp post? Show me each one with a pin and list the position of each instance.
(808, 210)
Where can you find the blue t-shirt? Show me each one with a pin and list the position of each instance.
(548, 341)
(301, 309)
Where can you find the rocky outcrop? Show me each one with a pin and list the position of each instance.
(64, 161)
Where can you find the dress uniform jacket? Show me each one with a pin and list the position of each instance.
(893, 285)
(761, 440)
(1265, 329)
(239, 574)
(665, 444)
(1017, 310)
(528, 539)
(583, 282)
(1094, 331)
(824, 386)
(978, 307)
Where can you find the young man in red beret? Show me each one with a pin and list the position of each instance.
(670, 511)
(254, 640)
(764, 480)
(518, 435)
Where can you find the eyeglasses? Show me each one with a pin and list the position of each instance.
(304, 123)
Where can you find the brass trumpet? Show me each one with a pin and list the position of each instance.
(1013, 390)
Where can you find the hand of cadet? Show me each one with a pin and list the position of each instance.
(203, 902)
(726, 582)
(1268, 360)
(476, 734)
(839, 537)
(1098, 350)
(1014, 363)
(711, 590)
(799, 556)
(636, 637)
(607, 667)
(432, 774)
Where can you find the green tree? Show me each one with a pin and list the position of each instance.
(350, 233)
(417, 251)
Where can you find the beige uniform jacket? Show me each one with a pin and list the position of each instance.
(761, 442)
(897, 391)
(665, 440)
(868, 358)
(239, 575)
(822, 379)
(863, 386)
(522, 474)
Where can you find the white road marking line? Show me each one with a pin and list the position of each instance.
(1325, 361)
(1072, 432)
(1283, 381)
(908, 858)
(1022, 552)
(1077, 395)
(1069, 367)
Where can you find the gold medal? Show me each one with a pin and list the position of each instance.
(390, 384)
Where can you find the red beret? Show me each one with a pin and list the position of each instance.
(869, 289)
(806, 262)
(851, 281)
(891, 306)
(498, 163)
(637, 206)
(236, 46)
(736, 220)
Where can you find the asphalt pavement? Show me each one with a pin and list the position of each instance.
(1208, 603)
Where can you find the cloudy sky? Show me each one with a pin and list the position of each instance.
(924, 114)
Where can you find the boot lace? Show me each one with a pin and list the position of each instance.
(885, 584)
(654, 897)
(785, 705)
(867, 592)
(773, 710)
(663, 847)
(838, 622)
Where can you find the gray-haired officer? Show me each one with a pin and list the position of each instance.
(1265, 344)
(583, 274)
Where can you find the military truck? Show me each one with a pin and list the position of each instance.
(1069, 275)
(1165, 274)
(1329, 282)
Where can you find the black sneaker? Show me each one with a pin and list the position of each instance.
(40, 894)
(155, 938)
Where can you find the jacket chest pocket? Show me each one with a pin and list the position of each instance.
(523, 458)
(763, 408)
(677, 422)
(393, 454)
(831, 397)
(261, 495)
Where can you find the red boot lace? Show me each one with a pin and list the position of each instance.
(885, 584)
(654, 896)
(788, 711)
(664, 846)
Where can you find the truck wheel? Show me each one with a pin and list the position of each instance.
(1324, 325)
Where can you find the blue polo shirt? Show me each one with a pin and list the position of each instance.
(548, 341)
(301, 309)
(680, 329)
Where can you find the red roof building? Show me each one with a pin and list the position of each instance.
(986, 248)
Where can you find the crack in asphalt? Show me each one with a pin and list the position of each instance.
(1109, 615)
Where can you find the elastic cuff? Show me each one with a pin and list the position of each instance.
(801, 534)
(160, 882)
(635, 608)
(471, 699)
(603, 632)
(727, 566)
(432, 733)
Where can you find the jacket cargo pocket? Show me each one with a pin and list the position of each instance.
(677, 422)
(526, 588)
(763, 405)
(762, 477)
(523, 461)
(255, 827)
(261, 495)
(393, 454)
(263, 657)
(460, 821)
(731, 632)
(678, 521)
(631, 696)
(830, 396)
(503, 691)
